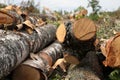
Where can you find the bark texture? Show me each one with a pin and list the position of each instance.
(73, 42)
(80, 37)
(16, 46)
(88, 69)
(40, 64)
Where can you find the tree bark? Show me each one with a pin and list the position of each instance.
(39, 63)
(78, 36)
(111, 49)
(88, 69)
(16, 46)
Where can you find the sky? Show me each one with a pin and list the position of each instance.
(70, 5)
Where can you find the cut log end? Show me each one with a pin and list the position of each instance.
(61, 33)
(71, 59)
(24, 72)
(84, 29)
(113, 52)
(6, 18)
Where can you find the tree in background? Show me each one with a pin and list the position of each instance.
(94, 4)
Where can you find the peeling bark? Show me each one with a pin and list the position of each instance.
(16, 46)
(41, 63)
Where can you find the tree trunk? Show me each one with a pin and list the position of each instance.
(110, 50)
(79, 36)
(39, 66)
(88, 69)
(16, 46)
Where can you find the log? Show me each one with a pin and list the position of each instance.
(10, 19)
(16, 19)
(84, 29)
(31, 23)
(16, 46)
(13, 50)
(78, 36)
(88, 69)
(35, 20)
(110, 49)
(5, 18)
(39, 66)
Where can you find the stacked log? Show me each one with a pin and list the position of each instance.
(79, 36)
(40, 64)
(13, 18)
(16, 46)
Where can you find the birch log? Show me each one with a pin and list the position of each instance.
(39, 67)
(16, 46)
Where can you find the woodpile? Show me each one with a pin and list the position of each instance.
(16, 46)
(32, 49)
(16, 19)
